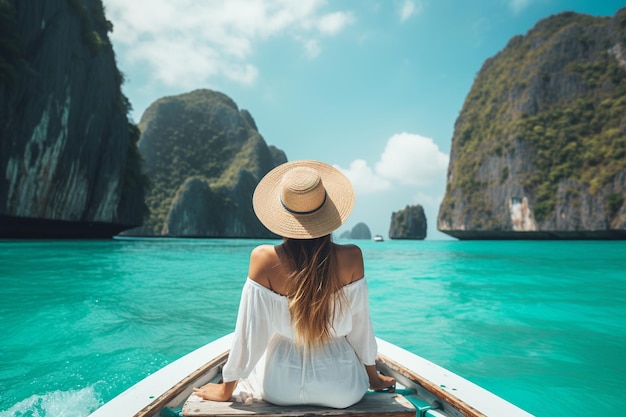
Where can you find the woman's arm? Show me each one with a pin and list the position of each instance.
(252, 333)
(378, 381)
(216, 392)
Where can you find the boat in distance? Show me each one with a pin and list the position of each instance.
(424, 389)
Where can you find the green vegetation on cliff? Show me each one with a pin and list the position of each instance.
(135, 177)
(92, 24)
(408, 223)
(200, 135)
(559, 95)
(188, 150)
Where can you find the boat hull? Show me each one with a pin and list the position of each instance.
(426, 385)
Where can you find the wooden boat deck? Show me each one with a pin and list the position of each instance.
(372, 404)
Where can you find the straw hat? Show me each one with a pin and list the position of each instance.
(303, 199)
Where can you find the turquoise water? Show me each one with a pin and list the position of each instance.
(538, 323)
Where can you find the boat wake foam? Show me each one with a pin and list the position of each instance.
(72, 403)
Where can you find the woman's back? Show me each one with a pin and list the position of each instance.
(270, 266)
(306, 373)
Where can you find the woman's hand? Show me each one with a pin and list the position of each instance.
(383, 382)
(216, 392)
(379, 381)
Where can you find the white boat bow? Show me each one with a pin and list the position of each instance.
(441, 392)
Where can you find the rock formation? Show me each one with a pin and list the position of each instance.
(204, 157)
(345, 234)
(68, 156)
(539, 148)
(409, 223)
(360, 231)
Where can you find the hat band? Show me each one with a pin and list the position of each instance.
(305, 212)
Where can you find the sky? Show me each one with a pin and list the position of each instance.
(372, 87)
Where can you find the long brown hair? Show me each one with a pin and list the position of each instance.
(313, 289)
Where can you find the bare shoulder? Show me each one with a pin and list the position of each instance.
(349, 250)
(263, 258)
(350, 259)
(262, 253)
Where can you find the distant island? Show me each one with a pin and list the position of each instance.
(408, 223)
(359, 231)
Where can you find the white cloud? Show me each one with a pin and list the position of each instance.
(427, 200)
(312, 48)
(412, 159)
(409, 160)
(364, 180)
(188, 42)
(333, 23)
(245, 74)
(519, 5)
(410, 170)
(409, 9)
(178, 62)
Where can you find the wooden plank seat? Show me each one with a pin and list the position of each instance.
(372, 404)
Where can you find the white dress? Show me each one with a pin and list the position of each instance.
(288, 374)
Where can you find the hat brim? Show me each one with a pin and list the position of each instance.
(335, 211)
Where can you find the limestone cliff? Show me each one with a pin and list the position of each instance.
(539, 148)
(69, 165)
(204, 158)
(360, 231)
(409, 223)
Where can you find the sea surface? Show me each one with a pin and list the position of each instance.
(541, 324)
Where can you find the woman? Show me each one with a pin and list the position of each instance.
(304, 308)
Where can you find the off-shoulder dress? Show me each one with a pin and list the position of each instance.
(286, 373)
